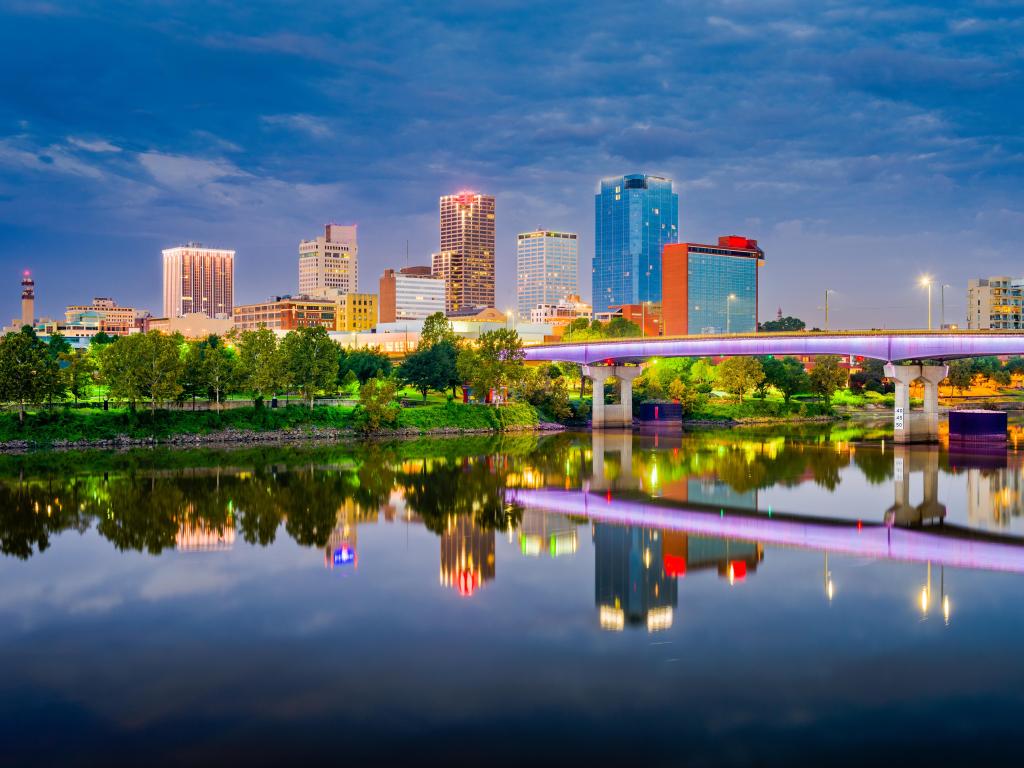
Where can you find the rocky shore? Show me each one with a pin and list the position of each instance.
(252, 437)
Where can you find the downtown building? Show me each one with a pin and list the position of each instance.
(198, 280)
(286, 313)
(546, 269)
(411, 293)
(710, 288)
(104, 315)
(465, 260)
(635, 216)
(995, 303)
(329, 265)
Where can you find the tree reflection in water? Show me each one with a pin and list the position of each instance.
(138, 505)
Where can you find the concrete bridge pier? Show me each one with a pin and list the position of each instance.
(917, 426)
(930, 511)
(615, 415)
(602, 443)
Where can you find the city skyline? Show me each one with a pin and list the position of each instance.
(885, 135)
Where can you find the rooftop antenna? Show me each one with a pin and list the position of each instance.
(407, 253)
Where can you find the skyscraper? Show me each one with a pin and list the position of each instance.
(198, 279)
(546, 269)
(329, 265)
(466, 258)
(634, 217)
(711, 288)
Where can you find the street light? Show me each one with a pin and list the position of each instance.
(728, 312)
(827, 292)
(942, 317)
(926, 282)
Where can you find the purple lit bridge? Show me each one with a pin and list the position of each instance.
(903, 351)
(941, 545)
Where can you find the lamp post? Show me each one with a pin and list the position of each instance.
(827, 292)
(926, 282)
(728, 312)
(942, 316)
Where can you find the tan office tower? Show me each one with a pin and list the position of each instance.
(198, 279)
(329, 265)
(466, 258)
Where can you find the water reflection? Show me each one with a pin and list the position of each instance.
(659, 508)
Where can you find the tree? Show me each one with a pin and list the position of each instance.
(367, 363)
(437, 329)
(141, 366)
(429, 368)
(686, 395)
(79, 372)
(772, 372)
(101, 339)
(377, 407)
(219, 369)
(738, 375)
(961, 374)
(621, 328)
(783, 324)
(827, 376)
(58, 345)
(789, 377)
(703, 375)
(28, 373)
(311, 361)
(495, 362)
(261, 363)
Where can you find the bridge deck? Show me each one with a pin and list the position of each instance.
(880, 345)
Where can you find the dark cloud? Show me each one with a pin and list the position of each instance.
(871, 128)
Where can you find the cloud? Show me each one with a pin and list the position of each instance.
(96, 145)
(312, 126)
(183, 172)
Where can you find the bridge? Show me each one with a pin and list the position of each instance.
(903, 351)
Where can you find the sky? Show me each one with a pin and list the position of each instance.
(862, 144)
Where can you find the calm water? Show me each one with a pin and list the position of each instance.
(725, 598)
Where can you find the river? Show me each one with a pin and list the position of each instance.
(743, 597)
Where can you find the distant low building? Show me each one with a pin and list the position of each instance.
(194, 325)
(357, 312)
(106, 316)
(287, 313)
(647, 317)
(561, 314)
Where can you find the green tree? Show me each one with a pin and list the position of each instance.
(495, 362)
(28, 373)
(79, 373)
(827, 376)
(783, 324)
(311, 361)
(143, 366)
(437, 329)
(689, 399)
(101, 339)
(377, 406)
(219, 368)
(366, 363)
(961, 374)
(739, 375)
(58, 345)
(772, 368)
(702, 375)
(260, 363)
(621, 328)
(431, 367)
(790, 378)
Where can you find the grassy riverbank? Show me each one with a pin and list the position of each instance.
(63, 426)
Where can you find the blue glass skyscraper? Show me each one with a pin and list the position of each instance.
(634, 217)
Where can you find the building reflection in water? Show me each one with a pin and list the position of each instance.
(467, 555)
(995, 492)
(341, 549)
(541, 532)
(630, 582)
(196, 535)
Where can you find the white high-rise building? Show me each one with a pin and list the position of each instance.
(198, 279)
(329, 265)
(546, 269)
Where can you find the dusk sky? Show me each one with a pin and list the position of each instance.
(862, 144)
